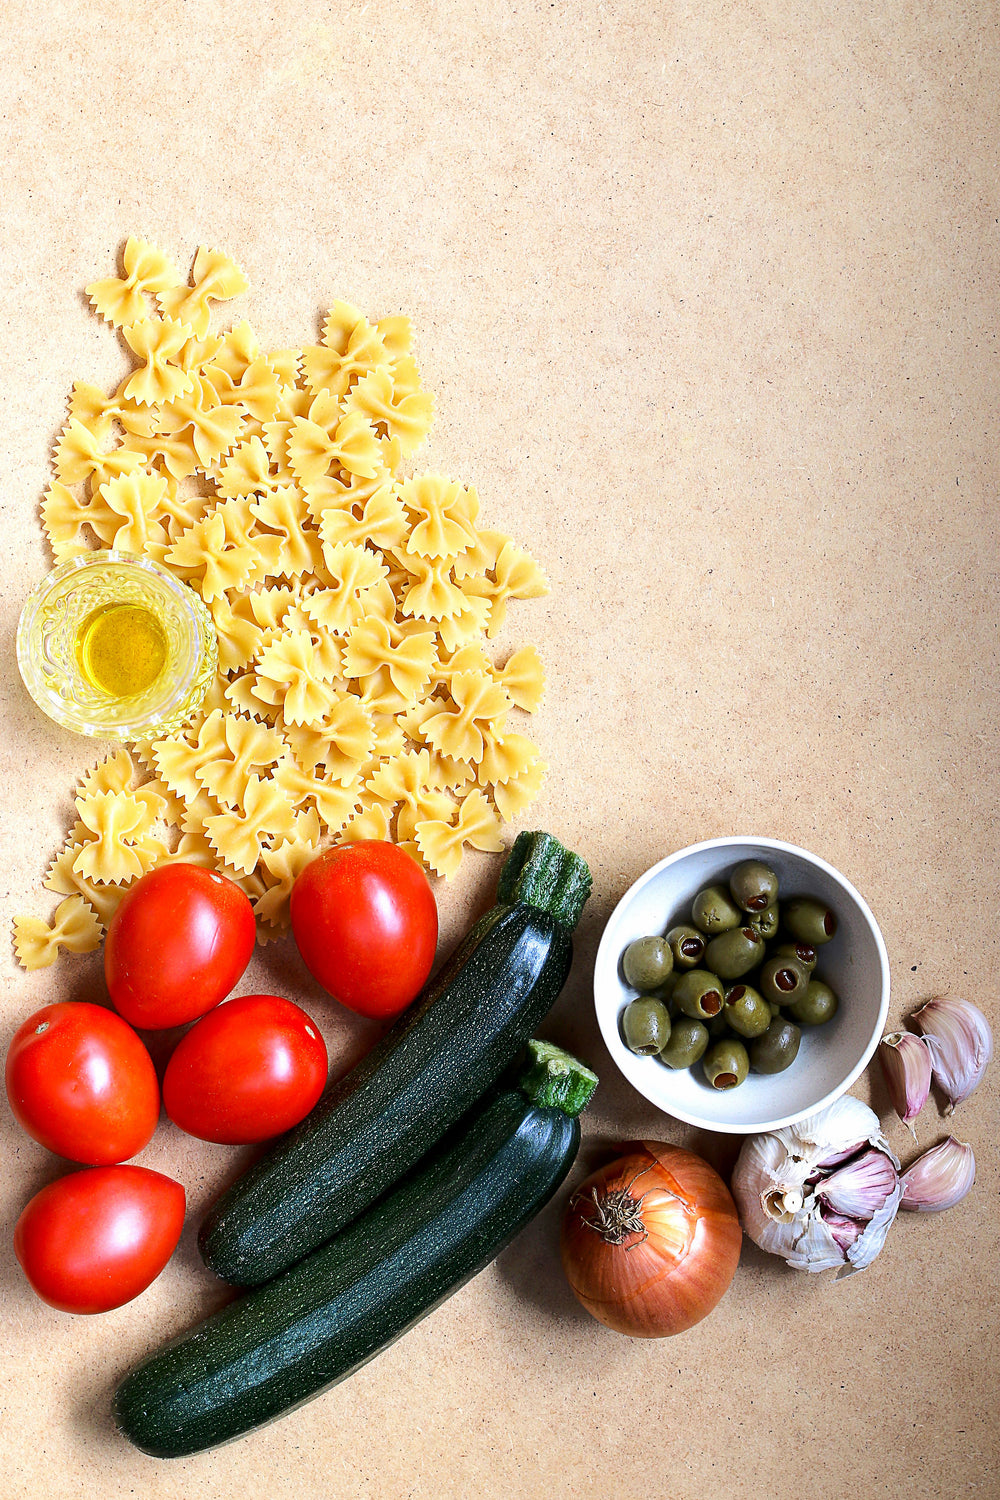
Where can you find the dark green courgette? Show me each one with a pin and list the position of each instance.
(442, 1054)
(281, 1344)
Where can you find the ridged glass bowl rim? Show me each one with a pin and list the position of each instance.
(188, 694)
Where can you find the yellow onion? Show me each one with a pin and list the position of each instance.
(651, 1242)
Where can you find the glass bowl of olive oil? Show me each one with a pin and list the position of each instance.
(110, 644)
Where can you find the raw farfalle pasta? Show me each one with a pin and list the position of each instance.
(352, 599)
(75, 926)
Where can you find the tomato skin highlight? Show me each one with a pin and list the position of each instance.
(93, 1240)
(249, 1070)
(81, 1083)
(365, 922)
(177, 945)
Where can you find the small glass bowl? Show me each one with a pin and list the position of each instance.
(47, 646)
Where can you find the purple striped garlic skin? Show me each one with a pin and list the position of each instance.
(940, 1178)
(906, 1068)
(960, 1043)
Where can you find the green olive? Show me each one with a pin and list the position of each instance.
(646, 1025)
(776, 1049)
(766, 922)
(746, 1010)
(817, 1005)
(647, 962)
(687, 945)
(713, 910)
(809, 920)
(731, 954)
(688, 1040)
(726, 1064)
(698, 994)
(754, 887)
(783, 980)
(719, 1026)
(804, 952)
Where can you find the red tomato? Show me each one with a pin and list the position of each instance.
(365, 922)
(96, 1239)
(249, 1070)
(81, 1083)
(178, 943)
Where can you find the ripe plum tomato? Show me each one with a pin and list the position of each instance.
(97, 1238)
(82, 1084)
(249, 1070)
(178, 943)
(365, 921)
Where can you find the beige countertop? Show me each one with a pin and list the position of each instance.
(707, 299)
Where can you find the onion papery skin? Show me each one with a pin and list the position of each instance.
(667, 1282)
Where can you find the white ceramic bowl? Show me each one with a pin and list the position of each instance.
(830, 1057)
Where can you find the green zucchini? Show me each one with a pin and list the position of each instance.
(283, 1343)
(442, 1054)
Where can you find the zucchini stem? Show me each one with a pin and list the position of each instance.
(539, 872)
(554, 1078)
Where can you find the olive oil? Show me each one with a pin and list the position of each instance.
(121, 649)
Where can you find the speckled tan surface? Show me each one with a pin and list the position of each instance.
(707, 296)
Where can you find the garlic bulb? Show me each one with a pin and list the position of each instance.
(960, 1043)
(822, 1193)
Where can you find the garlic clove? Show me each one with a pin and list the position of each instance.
(960, 1043)
(865, 1249)
(845, 1231)
(906, 1066)
(860, 1187)
(940, 1178)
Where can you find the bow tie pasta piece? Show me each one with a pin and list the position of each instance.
(118, 823)
(79, 456)
(247, 745)
(505, 758)
(516, 576)
(239, 837)
(135, 500)
(351, 348)
(216, 277)
(333, 803)
(403, 414)
(120, 300)
(427, 590)
(239, 635)
(523, 676)
(381, 521)
(160, 377)
(63, 520)
(405, 781)
(287, 675)
(518, 792)
(75, 926)
(446, 516)
(214, 426)
(440, 842)
(247, 471)
(478, 704)
(356, 576)
(408, 661)
(283, 509)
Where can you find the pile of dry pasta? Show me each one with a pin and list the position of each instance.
(355, 697)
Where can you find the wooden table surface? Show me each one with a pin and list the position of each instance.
(707, 296)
